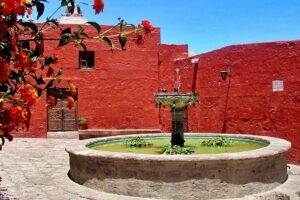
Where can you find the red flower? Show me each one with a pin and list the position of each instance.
(18, 114)
(52, 99)
(29, 94)
(14, 7)
(98, 6)
(71, 102)
(51, 102)
(4, 70)
(147, 26)
(22, 60)
(72, 89)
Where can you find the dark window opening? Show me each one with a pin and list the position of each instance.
(86, 59)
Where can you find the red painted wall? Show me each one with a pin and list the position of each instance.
(118, 92)
(252, 105)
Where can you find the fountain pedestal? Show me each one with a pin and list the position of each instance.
(178, 121)
(178, 102)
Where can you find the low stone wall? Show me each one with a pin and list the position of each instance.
(227, 174)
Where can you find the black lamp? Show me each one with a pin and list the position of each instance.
(224, 73)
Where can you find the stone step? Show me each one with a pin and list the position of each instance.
(63, 135)
(94, 133)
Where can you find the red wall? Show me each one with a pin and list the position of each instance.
(252, 105)
(118, 92)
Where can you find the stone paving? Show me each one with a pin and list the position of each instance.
(36, 169)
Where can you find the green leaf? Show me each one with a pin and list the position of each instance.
(50, 84)
(30, 25)
(109, 42)
(2, 140)
(40, 9)
(132, 25)
(13, 75)
(3, 46)
(122, 40)
(52, 21)
(3, 87)
(83, 46)
(60, 71)
(64, 3)
(36, 53)
(49, 60)
(122, 25)
(39, 90)
(64, 41)
(26, 45)
(96, 26)
(76, 36)
(33, 58)
(84, 34)
(66, 31)
(40, 81)
(80, 29)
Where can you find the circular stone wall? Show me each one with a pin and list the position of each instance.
(202, 176)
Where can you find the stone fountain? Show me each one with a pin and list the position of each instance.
(197, 176)
(178, 102)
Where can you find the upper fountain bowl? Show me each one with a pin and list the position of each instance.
(176, 99)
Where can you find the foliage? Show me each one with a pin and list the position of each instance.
(218, 141)
(81, 120)
(136, 142)
(25, 72)
(177, 150)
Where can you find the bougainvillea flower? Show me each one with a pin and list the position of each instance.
(13, 45)
(71, 102)
(18, 114)
(29, 94)
(22, 60)
(4, 70)
(72, 89)
(51, 99)
(98, 6)
(147, 26)
(14, 7)
(51, 102)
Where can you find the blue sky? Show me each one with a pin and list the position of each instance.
(204, 25)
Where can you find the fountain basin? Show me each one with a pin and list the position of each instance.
(150, 175)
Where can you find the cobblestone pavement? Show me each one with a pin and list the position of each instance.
(36, 169)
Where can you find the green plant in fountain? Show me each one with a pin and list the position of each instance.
(218, 141)
(136, 142)
(177, 150)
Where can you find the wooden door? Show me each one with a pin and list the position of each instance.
(61, 118)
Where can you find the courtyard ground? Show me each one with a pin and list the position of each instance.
(36, 169)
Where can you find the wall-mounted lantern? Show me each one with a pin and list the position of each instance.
(224, 73)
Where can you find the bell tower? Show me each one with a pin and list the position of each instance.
(73, 15)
